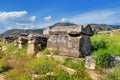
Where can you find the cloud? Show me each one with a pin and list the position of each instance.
(12, 15)
(63, 20)
(26, 25)
(22, 19)
(98, 17)
(16, 16)
(47, 18)
(33, 18)
(16, 19)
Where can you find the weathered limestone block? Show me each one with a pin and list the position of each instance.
(31, 50)
(70, 71)
(85, 45)
(71, 41)
(46, 31)
(70, 46)
(115, 60)
(57, 42)
(31, 47)
(20, 43)
(90, 62)
(15, 42)
(73, 46)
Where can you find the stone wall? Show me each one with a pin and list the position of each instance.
(85, 45)
(31, 47)
(71, 41)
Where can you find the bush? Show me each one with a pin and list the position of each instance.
(56, 52)
(102, 60)
(40, 65)
(74, 64)
(14, 75)
(117, 73)
(110, 44)
(19, 65)
(3, 66)
(81, 73)
(1, 54)
(46, 52)
(100, 42)
(0, 45)
(61, 74)
(39, 48)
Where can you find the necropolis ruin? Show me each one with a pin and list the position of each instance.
(73, 41)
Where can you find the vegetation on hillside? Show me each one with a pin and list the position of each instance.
(17, 32)
(103, 43)
(15, 64)
(95, 27)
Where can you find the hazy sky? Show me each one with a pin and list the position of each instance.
(41, 13)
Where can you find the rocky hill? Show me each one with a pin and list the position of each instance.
(102, 27)
(95, 27)
(63, 24)
(17, 32)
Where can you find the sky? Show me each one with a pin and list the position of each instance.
(35, 14)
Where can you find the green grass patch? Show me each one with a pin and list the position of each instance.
(104, 43)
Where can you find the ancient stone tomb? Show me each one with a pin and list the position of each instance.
(71, 41)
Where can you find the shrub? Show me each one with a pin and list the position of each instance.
(14, 75)
(0, 45)
(46, 52)
(102, 59)
(1, 54)
(20, 67)
(81, 73)
(117, 73)
(39, 48)
(61, 74)
(110, 44)
(40, 65)
(56, 52)
(74, 64)
(100, 42)
(3, 66)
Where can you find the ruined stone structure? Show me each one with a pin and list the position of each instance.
(71, 41)
(22, 40)
(36, 42)
(8, 39)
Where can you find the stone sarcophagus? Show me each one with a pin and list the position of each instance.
(71, 41)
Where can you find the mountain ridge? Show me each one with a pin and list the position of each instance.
(95, 27)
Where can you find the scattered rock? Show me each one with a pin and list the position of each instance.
(37, 76)
(2, 77)
(3, 48)
(70, 71)
(94, 75)
(90, 62)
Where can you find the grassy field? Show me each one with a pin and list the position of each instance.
(106, 44)
(15, 64)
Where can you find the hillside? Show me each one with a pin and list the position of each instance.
(102, 27)
(16, 32)
(62, 24)
(49, 65)
(95, 27)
